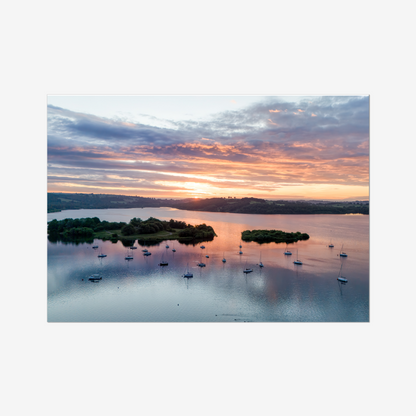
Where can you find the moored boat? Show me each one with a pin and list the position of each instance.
(342, 253)
(297, 261)
(187, 273)
(95, 277)
(341, 278)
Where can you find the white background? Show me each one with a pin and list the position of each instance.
(227, 47)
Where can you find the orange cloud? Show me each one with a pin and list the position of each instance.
(272, 122)
(301, 111)
(275, 111)
(313, 115)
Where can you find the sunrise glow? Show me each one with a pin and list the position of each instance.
(272, 149)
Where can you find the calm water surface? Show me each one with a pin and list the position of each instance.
(141, 291)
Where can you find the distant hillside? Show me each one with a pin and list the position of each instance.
(262, 206)
(60, 201)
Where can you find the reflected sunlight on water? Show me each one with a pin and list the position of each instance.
(141, 291)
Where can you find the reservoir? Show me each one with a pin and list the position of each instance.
(139, 290)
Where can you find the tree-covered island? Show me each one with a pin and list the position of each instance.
(268, 236)
(150, 230)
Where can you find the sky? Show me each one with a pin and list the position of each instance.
(272, 147)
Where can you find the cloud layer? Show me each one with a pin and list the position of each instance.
(306, 149)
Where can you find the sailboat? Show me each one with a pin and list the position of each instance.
(223, 258)
(147, 253)
(129, 256)
(174, 250)
(330, 243)
(163, 262)
(287, 252)
(102, 255)
(341, 253)
(206, 255)
(187, 273)
(247, 270)
(260, 263)
(133, 248)
(200, 264)
(297, 261)
(202, 246)
(94, 247)
(145, 250)
(340, 278)
(167, 246)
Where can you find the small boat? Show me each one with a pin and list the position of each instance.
(102, 255)
(297, 261)
(287, 252)
(260, 263)
(202, 246)
(133, 247)
(94, 247)
(163, 262)
(174, 248)
(187, 273)
(241, 245)
(223, 258)
(200, 264)
(206, 255)
(247, 270)
(330, 243)
(341, 253)
(340, 278)
(95, 277)
(145, 250)
(167, 246)
(128, 257)
(147, 253)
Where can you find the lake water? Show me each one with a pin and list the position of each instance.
(140, 290)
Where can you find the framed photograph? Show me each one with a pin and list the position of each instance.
(208, 208)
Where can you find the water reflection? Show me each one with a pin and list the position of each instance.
(141, 290)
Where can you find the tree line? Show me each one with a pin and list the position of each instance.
(277, 236)
(87, 227)
(59, 201)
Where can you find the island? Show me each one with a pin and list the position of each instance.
(268, 236)
(64, 201)
(151, 230)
